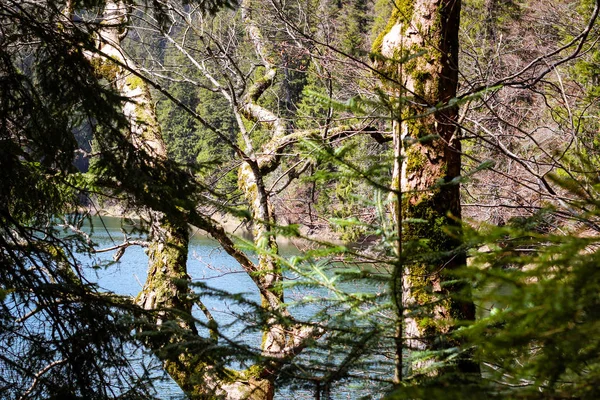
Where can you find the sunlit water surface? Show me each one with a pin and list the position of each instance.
(207, 263)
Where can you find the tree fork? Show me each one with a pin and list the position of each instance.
(167, 287)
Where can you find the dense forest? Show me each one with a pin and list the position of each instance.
(436, 163)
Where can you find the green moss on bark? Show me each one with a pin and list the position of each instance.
(401, 14)
(134, 82)
(426, 234)
(415, 160)
(105, 69)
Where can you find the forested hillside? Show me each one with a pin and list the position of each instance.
(436, 162)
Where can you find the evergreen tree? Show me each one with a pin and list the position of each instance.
(60, 336)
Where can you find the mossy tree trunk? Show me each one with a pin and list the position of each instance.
(420, 66)
(166, 290)
(166, 286)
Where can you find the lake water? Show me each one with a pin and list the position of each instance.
(207, 263)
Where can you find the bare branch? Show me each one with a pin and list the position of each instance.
(38, 375)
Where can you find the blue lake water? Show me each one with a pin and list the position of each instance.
(207, 263)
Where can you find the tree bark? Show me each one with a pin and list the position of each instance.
(166, 286)
(166, 290)
(420, 67)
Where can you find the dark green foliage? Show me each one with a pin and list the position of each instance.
(188, 141)
(536, 292)
(209, 148)
(60, 338)
(312, 111)
(354, 22)
(539, 302)
(180, 129)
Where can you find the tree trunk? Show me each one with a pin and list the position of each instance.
(166, 286)
(166, 290)
(424, 35)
